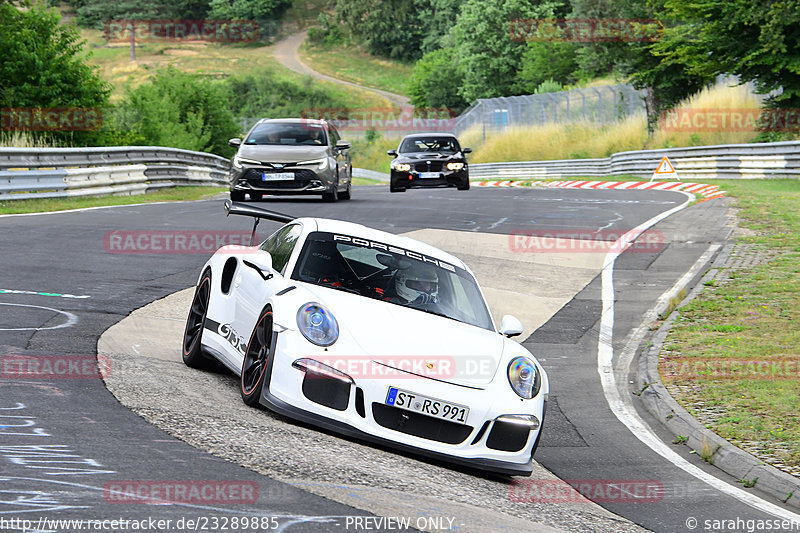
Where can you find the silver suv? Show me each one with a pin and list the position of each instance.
(291, 156)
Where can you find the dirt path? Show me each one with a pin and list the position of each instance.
(286, 52)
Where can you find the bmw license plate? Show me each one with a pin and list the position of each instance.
(427, 406)
(277, 176)
(429, 175)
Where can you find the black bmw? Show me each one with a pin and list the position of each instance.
(429, 160)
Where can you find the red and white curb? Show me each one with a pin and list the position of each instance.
(708, 192)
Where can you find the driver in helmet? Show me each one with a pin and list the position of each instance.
(418, 286)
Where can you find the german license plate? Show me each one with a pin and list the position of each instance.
(429, 175)
(277, 176)
(411, 401)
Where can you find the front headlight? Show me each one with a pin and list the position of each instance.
(322, 164)
(239, 161)
(317, 324)
(402, 167)
(455, 166)
(524, 377)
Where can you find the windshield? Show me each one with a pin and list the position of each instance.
(429, 144)
(288, 133)
(391, 274)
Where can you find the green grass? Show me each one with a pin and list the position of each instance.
(40, 205)
(752, 317)
(372, 155)
(214, 60)
(353, 64)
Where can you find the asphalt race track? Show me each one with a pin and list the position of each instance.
(66, 445)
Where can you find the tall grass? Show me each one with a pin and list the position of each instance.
(590, 140)
(22, 139)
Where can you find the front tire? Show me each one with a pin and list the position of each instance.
(395, 188)
(256, 357)
(193, 334)
(345, 195)
(464, 186)
(333, 195)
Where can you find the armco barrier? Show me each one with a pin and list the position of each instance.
(732, 161)
(54, 172)
(58, 172)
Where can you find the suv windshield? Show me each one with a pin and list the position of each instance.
(429, 144)
(391, 274)
(288, 133)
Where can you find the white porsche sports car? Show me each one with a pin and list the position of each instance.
(372, 335)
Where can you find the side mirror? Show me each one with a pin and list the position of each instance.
(261, 262)
(466, 150)
(342, 145)
(236, 142)
(510, 326)
(392, 152)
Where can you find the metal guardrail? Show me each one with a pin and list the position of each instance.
(58, 172)
(732, 161)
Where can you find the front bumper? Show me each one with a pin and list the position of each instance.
(304, 181)
(358, 409)
(411, 179)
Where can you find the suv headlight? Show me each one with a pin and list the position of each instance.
(239, 161)
(317, 324)
(402, 167)
(524, 377)
(322, 164)
(455, 166)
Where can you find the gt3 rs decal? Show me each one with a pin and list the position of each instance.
(394, 249)
(230, 334)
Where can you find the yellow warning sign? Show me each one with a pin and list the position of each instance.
(665, 170)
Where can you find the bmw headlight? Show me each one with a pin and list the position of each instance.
(524, 377)
(455, 166)
(402, 167)
(317, 324)
(239, 161)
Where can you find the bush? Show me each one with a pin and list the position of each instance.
(266, 95)
(179, 110)
(436, 80)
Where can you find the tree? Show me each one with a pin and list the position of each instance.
(666, 81)
(488, 55)
(389, 28)
(179, 110)
(435, 81)
(258, 10)
(757, 40)
(43, 63)
(543, 61)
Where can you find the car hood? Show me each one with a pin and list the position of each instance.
(429, 156)
(409, 339)
(275, 153)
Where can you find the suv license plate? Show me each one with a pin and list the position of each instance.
(277, 176)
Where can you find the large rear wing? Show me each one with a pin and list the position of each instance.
(237, 208)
